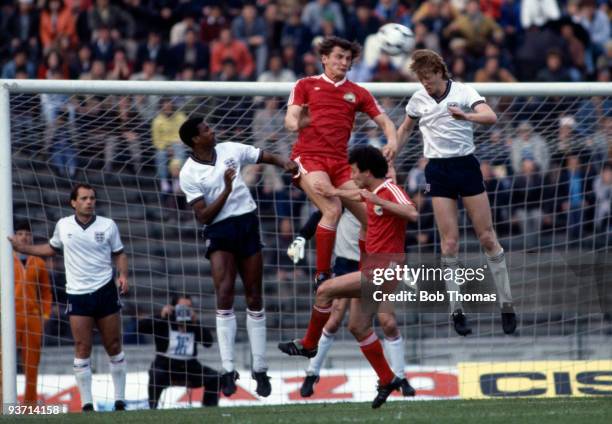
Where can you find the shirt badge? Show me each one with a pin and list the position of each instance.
(350, 97)
(99, 236)
(317, 88)
(378, 210)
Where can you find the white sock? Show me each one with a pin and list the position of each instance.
(451, 262)
(82, 372)
(499, 271)
(226, 335)
(395, 353)
(118, 370)
(325, 343)
(256, 329)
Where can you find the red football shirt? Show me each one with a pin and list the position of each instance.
(332, 107)
(386, 231)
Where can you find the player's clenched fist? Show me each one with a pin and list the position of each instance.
(228, 177)
(291, 167)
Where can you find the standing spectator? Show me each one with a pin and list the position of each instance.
(192, 53)
(529, 145)
(602, 187)
(117, 20)
(316, 11)
(57, 26)
(251, 29)
(492, 72)
(165, 137)
(33, 300)
(229, 48)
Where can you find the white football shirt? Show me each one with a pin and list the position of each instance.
(88, 249)
(443, 135)
(347, 237)
(204, 180)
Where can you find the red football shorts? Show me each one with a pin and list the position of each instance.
(338, 170)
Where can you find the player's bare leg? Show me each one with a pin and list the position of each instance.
(339, 308)
(251, 270)
(479, 211)
(223, 270)
(445, 214)
(110, 330)
(394, 346)
(82, 333)
(325, 235)
(360, 325)
(345, 286)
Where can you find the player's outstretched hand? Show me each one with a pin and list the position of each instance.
(389, 151)
(296, 249)
(228, 177)
(122, 283)
(16, 245)
(457, 113)
(292, 167)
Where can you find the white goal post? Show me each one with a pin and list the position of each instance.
(9, 87)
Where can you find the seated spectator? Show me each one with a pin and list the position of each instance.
(147, 106)
(555, 71)
(190, 52)
(435, 15)
(571, 192)
(177, 331)
(82, 63)
(276, 72)
(475, 27)
(538, 13)
(57, 26)
(212, 23)
(527, 189)
(96, 72)
(20, 60)
(153, 50)
(602, 188)
(251, 30)
(103, 46)
(568, 142)
(119, 23)
(120, 68)
(492, 72)
(179, 29)
(529, 145)
(316, 10)
(296, 34)
(229, 48)
(165, 138)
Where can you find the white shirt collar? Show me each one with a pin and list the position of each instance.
(329, 80)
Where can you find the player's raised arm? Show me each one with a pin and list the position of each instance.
(205, 214)
(287, 164)
(43, 250)
(404, 131)
(388, 128)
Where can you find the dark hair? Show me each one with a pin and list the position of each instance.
(326, 46)
(22, 225)
(75, 190)
(177, 296)
(189, 129)
(427, 61)
(368, 158)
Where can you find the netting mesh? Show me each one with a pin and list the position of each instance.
(543, 164)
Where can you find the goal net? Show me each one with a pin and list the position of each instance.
(544, 166)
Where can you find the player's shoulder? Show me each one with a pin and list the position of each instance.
(462, 87)
(395, 192)
(105, 222)
(420, 94)
(307, 81)
(66, 220)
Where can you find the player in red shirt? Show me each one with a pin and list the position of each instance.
(322, 110)
(388, 209)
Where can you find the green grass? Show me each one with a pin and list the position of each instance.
(540, 411)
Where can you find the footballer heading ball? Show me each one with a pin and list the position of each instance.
(396, 39)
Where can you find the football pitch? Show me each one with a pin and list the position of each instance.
(569, 410)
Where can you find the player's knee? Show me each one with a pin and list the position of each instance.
(324, 294)
(332, 211)
(488, 239)
(113, 347)
(333, 324)
(450, 246)
(388, 323)
(82, 349)
(358, 331)
(225, 298)
(254, 302)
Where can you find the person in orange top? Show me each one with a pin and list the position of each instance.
(226, 47)
(33, 300)
(57, 25)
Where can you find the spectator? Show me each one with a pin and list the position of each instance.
(492, 72)
(179, 29)
(20, 60)
(602, 188)
(276, 72)
(361, 23)
(251, 30)
(154, 50)
(165, 138)
(572, 183)
(421, 233)
(555, 71)
(63, 153)
(96, 72)
(23, 26)
(576, 51)
(475, 27)
(212, 23)
(529, 145)
(57, 26)
(435, 15)
(144, 17)
(274, 26)
(568, 141)
(229, 48)
(296, 34)
(120, 68)
(527, 190)
(596, 22)
(392, 11)
(190, 52)
(82, 63)
(424, 39)
(118, 21)
(316, 11)
(537, 13)
(103, 46)
(147, 106)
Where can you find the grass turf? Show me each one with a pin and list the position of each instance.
(541, 411)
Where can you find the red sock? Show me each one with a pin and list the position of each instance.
(373, 351)
(325, 237)
(318, 318)
(362, 251)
